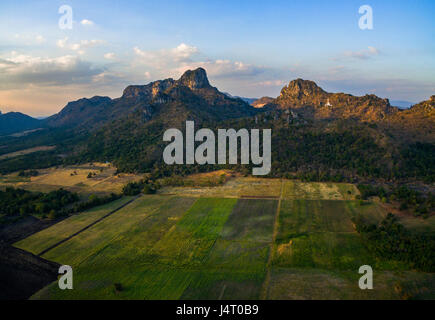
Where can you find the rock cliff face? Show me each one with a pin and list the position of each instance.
(415, 123)
(196, 79)
(148, 91)
(313, 102)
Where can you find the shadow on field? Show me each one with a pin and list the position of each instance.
(22, 273)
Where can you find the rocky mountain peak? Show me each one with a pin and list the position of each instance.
(195, 79)
(314, 102)
(147, 91)
(299, 88)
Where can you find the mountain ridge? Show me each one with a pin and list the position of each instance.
(314, 102)
(192, 92)
(13, 122)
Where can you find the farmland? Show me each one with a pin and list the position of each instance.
(104, 179)
(226, 242)
(40, 241)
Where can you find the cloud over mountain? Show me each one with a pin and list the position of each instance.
(40, 71)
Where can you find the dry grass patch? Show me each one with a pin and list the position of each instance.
(26, 151)
(319, 190)
(234, 188)
(75, 179)
(307, 284)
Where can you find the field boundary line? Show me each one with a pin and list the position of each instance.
(88, 226)
(265, 288)
(222, 292)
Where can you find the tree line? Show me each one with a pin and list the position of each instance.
(391, 240)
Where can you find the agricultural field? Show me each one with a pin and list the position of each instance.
(239, 187)
(104, 179)
(317, 252)
(319, 190)
(37, 242)
(255, 242)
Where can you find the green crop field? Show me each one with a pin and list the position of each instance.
(45, 238)
(170, 248)
(317, 254)
(236, 266)
(189, 247)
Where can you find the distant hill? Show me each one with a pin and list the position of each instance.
(402, 104)
(247, 100)
(13, 122)
(260, 103)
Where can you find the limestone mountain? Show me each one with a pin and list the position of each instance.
(191, 95)
(415, 123)
(311, 101)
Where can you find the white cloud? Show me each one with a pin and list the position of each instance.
(61, 43)
(175, 61)
(78, 46)
(271, 83)
(181, 54)
(373, 50)
(110, 56)
(86, 22)
(223, 68)
(362, 54)
(30, 38)
(40, 39)
(22, 70)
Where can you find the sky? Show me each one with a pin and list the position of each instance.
(248, 48)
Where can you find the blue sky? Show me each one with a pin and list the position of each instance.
(249, 48)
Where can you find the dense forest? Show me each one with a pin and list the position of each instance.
(65, 141)
(391, 240)
(421, 204)
(343, 150)
(18, 203)
(36, 160)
